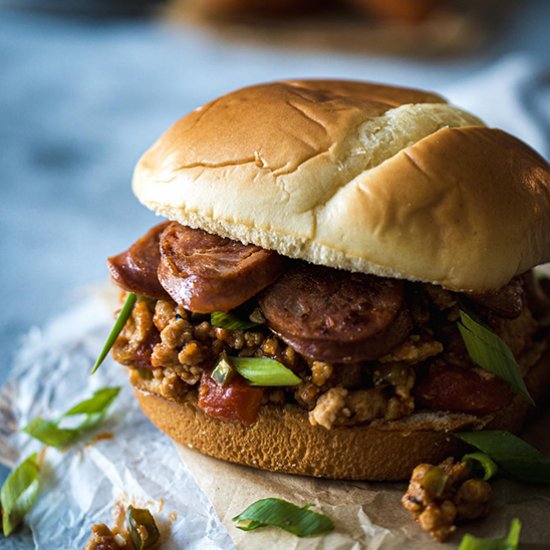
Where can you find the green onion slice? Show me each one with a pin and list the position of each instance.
(123, 316)
(514, 457)
(224, 370)
(91, 413)
(262, 371)
(509, 542)
(19, 493)
(142, 527)
(435, 481)
(230, 321)
(489, 352)
(276, 512)
(481, 465)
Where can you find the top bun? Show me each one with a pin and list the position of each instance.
(363, 177)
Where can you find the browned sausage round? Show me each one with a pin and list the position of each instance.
(506, 301)
(456, 389)
(333, 315)
(136, 269)
(206, 273)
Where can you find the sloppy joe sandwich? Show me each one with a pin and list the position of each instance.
(344, 279)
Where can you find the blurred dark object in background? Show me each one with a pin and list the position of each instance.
(262, 8)
(407, 28)
(86, 8)
(399, 10)
(386, 27)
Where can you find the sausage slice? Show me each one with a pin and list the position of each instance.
(333, 315)
(506, 301)
(206, 273)
(456, 389)
(136, 269)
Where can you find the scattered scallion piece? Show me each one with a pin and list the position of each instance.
(509, 542)
(489, 352)
(262, 371)
(276, 512)
(514, 457)
(19, 493)
(142, 527)
(123, 316)
(481, 464)
(434, 481)
(224, 370)
(93, 410)
(145, 374)
(230, 321)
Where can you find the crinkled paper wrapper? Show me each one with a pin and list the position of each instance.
(193, 497)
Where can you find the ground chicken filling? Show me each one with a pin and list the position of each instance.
(440, 496)
(170, 351)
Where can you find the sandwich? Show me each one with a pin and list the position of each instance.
(343, 279)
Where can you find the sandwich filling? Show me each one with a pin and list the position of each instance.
(364, 348)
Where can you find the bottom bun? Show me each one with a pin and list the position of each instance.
(283, 440)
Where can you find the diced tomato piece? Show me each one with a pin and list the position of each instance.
(143, 353)
(455, 389)
(235, 400)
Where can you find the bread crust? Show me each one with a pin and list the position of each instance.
(356, 176)
(282, 439)
(362, 177)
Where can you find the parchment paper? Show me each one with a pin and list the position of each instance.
(369, 515)
(366, 515)
(81, 485)
(194, 498)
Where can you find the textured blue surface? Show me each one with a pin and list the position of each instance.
(81, 99)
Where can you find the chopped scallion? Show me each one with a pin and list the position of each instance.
(481, 464)
(19, 493)
(489, 352)
(224, 370)
(88, 413)
(142, 527)
(230, 321)
(514, 457)
(123, 316)
(276, 512)
(257, 316)
(509, 542)
(263, 371)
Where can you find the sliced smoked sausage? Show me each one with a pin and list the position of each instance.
(506, 301)
(337, 316)
(206, 273)
(136, 269)
(457, 389)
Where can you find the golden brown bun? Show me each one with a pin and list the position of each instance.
(282, 439)
(357, 176)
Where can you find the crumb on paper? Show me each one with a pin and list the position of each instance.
(439, 496)
(102, 436)
(119, 516)
(99, 437)
(103, 538)
(122, 535)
